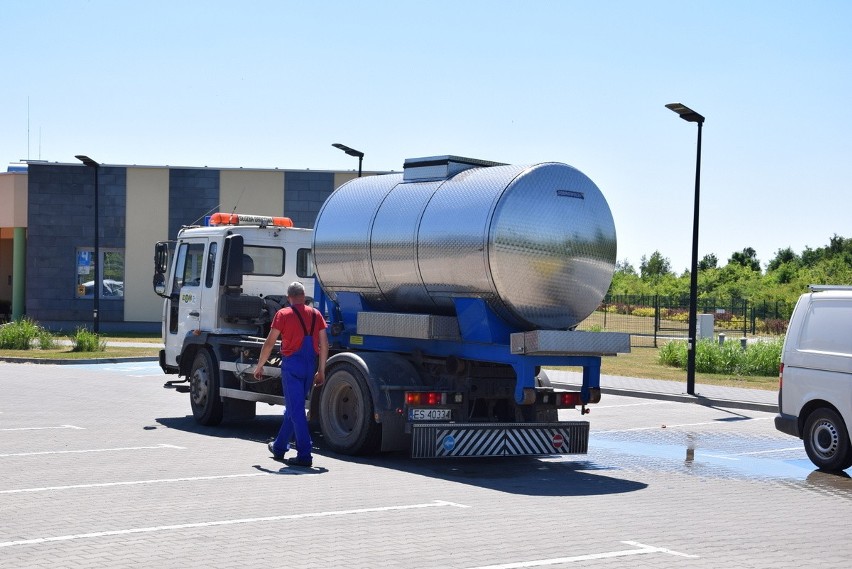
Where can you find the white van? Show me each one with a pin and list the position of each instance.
(815, 381)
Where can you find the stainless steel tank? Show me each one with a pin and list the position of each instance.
(536, 242)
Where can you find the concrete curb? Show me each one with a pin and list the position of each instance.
(684, 398)
(55, 361)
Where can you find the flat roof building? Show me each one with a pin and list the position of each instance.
(47, 239)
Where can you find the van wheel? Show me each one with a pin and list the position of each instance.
(827, 440)
(204, 398)
(346, 412)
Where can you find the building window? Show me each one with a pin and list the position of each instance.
(111, 267)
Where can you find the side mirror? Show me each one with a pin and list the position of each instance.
(161, 266)
(160, 284)
(161, 257)
(232, 262)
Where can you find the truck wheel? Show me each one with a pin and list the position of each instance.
(827, 440)
(346, 412)
(204, 390)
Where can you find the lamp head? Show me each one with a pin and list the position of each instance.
(87, 161)
(349, 151)
(685, 112)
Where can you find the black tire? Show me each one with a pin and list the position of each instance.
(346, 412)
(207, 407)
(827, 440)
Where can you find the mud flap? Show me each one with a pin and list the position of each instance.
(445, 440)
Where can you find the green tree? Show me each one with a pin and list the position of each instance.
(624, 267)
(709, 261)
(655, 268)
(787, 275)
(747, 258)
(782, 256)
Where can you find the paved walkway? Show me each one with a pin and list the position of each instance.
(711, 395)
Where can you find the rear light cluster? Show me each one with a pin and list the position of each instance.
(431, 398)
(561, 398)
(568, 399)
(423, 398)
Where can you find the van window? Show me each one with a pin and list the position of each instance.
(827, 327)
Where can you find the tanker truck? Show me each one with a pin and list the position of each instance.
(448, 289)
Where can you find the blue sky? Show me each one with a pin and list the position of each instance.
(273, 84)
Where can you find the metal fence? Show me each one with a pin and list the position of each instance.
(651, 320)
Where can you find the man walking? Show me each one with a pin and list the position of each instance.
(303, 337)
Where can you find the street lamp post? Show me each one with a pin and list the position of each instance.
(689, 115)
(351, 152)
(97, 282)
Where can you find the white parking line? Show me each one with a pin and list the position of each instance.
(42, 428)
(734, 455)
(88, 450)
(642, 550)
(680, 425)
(768, 451)
(136, 482)
(39, 540)
(599, 406)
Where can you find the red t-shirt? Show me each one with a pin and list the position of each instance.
(291, 331)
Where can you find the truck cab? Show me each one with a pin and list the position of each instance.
(223, 283)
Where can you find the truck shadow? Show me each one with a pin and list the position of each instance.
(260, 429)
(531, 476)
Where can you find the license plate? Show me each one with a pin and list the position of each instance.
(429, 415)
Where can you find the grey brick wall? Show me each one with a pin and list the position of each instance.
(304, 194)
(61, 219)
(193, 193)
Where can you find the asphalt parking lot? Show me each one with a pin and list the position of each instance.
(102, 467)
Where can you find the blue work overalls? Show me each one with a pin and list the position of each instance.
(297, 377)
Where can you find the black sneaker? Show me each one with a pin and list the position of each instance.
(275, 455)
(296, 461)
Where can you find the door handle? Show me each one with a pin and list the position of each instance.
(195, 313)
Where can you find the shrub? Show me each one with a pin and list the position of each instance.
(19, 335)
(85, 341)
(775, 326)
(46, 341)
(759, 358)
(675, 314)
(763, 358)
(673, 354)
(646, 311)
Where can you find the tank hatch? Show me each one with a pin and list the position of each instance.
(440, 167)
